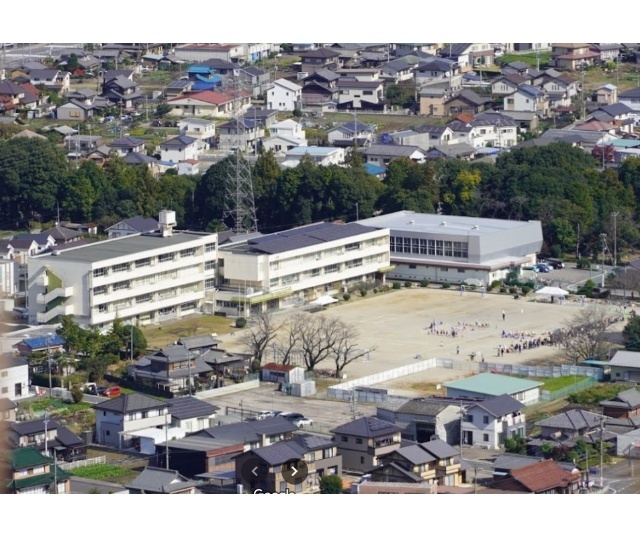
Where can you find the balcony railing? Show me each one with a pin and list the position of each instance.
(59, 292)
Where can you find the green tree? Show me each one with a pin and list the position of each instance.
(516, 445)
(72, 62)
(631, 334)
(331, 484)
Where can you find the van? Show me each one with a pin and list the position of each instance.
(555, 263)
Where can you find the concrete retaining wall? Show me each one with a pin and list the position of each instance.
(226, 390)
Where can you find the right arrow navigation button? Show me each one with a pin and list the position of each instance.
(295, 471)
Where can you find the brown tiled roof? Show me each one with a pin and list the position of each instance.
(543, 476)
(277, 367)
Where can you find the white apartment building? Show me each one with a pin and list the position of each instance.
(203, 130)
(293, 267)
(142, 279)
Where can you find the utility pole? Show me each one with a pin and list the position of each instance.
(578, 243)
(603, 238)
(582, 89)
(615, 240)
(461, 433)
(132, 342)
(601, 449)
(166, 440)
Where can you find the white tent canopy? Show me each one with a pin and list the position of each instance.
(323, 301)
(552, 291)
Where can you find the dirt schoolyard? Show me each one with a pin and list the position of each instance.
(412, 324)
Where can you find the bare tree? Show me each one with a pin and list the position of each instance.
(318, 339)
(289, 345)
(258, 337)
(584, 337)
(346, 349)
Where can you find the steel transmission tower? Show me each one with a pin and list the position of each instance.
(239, 206)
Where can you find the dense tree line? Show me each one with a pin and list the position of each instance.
(560, 185)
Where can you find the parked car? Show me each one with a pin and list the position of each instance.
(555, 263)
(543, 268)
(297, 419)
(263, 415)
(532, 268)
(113, 391)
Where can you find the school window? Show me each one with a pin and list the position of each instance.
(164, 258)
(99, 272)
(211, 247)
(485, 437)
(121, 267)
(407, 245)
(210, 265)
(120, 286)
(210, 283)
(143, 262)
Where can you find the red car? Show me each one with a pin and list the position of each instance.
(112, 391)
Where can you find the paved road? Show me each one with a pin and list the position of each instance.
(623, 477)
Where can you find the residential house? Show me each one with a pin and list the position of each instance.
(624, 405)
(191, 414)
(544, 477)
(127, 144)
(488, 385)
(571, 56)
(562, 83)
(354, 94)
(585, 139)
(209, 103)
(284, 95)
(423, 420)
(321, 156)
(154, 480)
(434, 461)
(383, 154)
(132, 226)
(618, 114)
(608, 52)
(48, 437)
(262, 116)
(350, 134)
(455, 151)
(121, 91)
(30, 472)
(28, 245)
(117, 418)
(399, 70)
(233, 53)
(177, 88)
(632, 99)
(316, 95)
(527, 99)
(318, 455)
(493, 129)
(433, 98)
(199, 344)
(362, 442)
(257, 79)
(243, 134)
(51, 79)
(48, 344)
(425, 137)
(320, 58)
(81, 144)
(436, 69)
(508, 84)
(607, 94)
(203, 130)
(565, 428)
(625, 366)
(490, 422)
(14, 377)
(213, 449)
(173, 369)
(284, 136)
(7, 410)
(180, 148)
(467, 101)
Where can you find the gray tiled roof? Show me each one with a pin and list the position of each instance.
(159, 480)
(197, 342)
(616, 109)
(183, 408)
(501, 405)
(625, 359)
(574, 420)
(422, 408)
(130, 402)
(139, 223)
(398, 468)
(392, 150)
(249, 431)
(439, 449)
(367, 427)
(511, 461)
(625, 399)
(416, 454)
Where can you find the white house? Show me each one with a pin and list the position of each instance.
(143, 278)
(179, 148)
(14, 377)
(191, 414)
(203, 130)
(130, 412)
(527, 99)
(490, 422)
(351, 133)
(383, 154)
(284, 95)
(299, 265)
(322, 156)
(284, 136)
(445, 248)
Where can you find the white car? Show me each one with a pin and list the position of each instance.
(297, 419)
